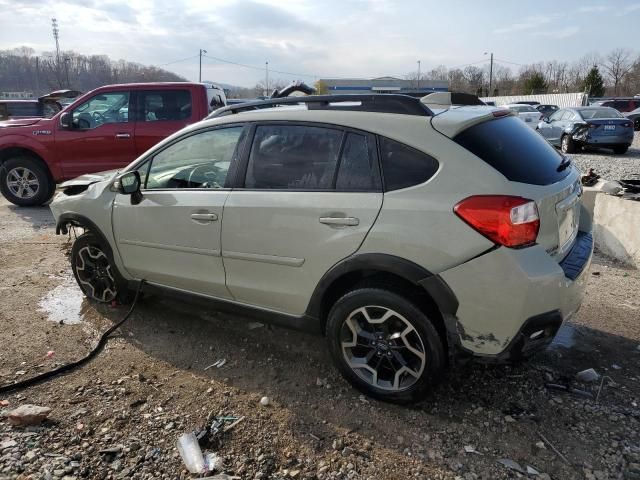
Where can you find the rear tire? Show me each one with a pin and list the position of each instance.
(567, 145)
(620, 150)
(384, 345)
(95, 272)
(26, 182)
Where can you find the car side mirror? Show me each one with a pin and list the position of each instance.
(66, 120)
(129, 183)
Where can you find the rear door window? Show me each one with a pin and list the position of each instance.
(516, 151)
(293, 157)
(164, 105)
(404, 166)
(358, 170)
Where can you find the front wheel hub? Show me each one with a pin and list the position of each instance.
(94, 274)
(383, 348)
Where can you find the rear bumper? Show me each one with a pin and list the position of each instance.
(512, 302)
(609, 140)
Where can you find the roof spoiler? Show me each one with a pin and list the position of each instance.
(447, 99)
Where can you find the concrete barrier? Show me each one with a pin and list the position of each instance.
(616, 227)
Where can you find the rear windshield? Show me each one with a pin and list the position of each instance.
(516, 151)
(522, 108)
(595, 113)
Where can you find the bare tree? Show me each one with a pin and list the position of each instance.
(617, 65)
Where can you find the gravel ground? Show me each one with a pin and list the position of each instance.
(119, 416)
(610, 166)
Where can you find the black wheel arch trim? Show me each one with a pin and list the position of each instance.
(81, 221)
(433, 284)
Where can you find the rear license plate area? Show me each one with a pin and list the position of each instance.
(609, 128)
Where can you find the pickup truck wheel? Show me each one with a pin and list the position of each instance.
(567, 144)
(384, 345)
(24, 181)
(95, 272)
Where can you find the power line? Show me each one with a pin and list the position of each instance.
(510, 63)
(176, 61)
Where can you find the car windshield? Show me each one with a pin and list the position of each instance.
(522, 108)
(596, 113)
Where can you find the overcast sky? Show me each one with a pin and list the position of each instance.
(322, 38)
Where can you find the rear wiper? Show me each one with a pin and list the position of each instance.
(564, 164)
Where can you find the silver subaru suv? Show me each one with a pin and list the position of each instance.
(410, 232)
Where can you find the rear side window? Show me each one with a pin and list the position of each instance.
(358, 169)
(167, 105)
(293, 157)
(516, 151)
(403, 166)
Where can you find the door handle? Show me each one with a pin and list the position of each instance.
(204, 217)
(123, 135)
(340, 221)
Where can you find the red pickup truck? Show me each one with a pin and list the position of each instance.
(104, 129)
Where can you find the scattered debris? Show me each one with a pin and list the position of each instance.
(602, 383)
(612, 188)
(254, 325)
(568, 389)
(615, 366)
(217, 364)
(595, 273)
(190, 452)
(509, 419)
(7, 444)
(511, 464)
(50, 354)
(557, 452)
(471, 449)
(532, 471)
(264, 401)
(4, 403)
(221, 476)
(590, 179)
(212, 462)
(21, 372)
(541, 445)
(26, 415)
(589, 375)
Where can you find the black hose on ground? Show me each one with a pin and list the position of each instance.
(29, 382)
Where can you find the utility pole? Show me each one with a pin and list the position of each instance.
(266, 79)
(418, 74)
(37, 92)
(490, 74)
(66, 69)
(56, 32)
(200, 69)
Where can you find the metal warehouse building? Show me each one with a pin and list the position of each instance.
(340, 86)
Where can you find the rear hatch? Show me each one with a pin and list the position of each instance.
(533, 170)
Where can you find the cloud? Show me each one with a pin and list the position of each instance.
(565, 32)
(529, 23)
(593, 9)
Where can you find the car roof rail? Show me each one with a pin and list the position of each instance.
(378, 103)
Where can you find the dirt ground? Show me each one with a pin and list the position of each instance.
(120, 415)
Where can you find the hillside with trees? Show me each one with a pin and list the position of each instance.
(617, 73)
(22, 70)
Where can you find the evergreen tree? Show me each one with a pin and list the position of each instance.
(535, 84)
(593, 83)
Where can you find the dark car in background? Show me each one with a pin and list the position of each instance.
(634, 116)
(45, 106)
(621, 104)
(547, 110)
(574, 128)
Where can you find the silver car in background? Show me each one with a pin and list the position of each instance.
(528, 114)
(574, 128)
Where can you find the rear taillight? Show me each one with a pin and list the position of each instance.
(501, 113)
(593, 125)
(505, 220)
(627, 124)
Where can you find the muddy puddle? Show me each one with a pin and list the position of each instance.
(64, 303)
